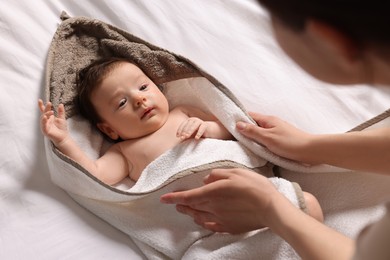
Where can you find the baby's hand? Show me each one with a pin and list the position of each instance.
(55, 128)
(193, 126)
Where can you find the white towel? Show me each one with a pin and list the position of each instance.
(135, 208)
(162, 231)
(158, 229)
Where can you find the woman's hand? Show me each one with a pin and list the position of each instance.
(238, 200)
(278, 136)
(232, 200)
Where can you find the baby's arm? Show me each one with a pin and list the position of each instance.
(110, 168)
(202, 125)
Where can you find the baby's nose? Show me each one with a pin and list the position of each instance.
(139, 100)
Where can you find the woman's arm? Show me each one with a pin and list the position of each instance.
(363, 151)
(310, 238)
(253, 202)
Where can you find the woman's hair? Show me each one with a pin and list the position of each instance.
(88, 80)
(365, 22)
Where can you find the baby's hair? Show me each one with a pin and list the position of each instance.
(88, 79)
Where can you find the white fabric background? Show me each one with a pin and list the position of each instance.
(231, 40)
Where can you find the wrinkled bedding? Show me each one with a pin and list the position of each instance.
(39, 220)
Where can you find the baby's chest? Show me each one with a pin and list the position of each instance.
(143, 152)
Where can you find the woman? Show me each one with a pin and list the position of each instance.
(341, 42)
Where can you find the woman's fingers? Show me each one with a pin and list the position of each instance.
(259, 133)
(260, 119)
(251, 131)
(214, 226)
(265, 121)
(200, 195)
(215, 181)
(202, 218)
(197, 213)
(215, 175)
(194, 196)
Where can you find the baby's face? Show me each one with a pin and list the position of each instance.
(129, 103)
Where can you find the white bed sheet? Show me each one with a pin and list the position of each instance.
(229, 39)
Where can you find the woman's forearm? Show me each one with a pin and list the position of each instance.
(364, 151)
(310, 238)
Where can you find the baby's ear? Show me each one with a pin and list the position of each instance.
(107, 130)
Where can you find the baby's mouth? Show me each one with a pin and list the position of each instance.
(146, 112)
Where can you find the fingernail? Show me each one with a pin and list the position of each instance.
(241, 126)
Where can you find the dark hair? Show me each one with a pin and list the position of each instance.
(366, 22)
(88, 80)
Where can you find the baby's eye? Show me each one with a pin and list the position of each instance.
(143, 87)
(122, 102)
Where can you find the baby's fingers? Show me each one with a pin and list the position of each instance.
(188, 128)
(201, 130)
(45, 125)
(61, 111)
(41, 105)
(180, 130)
(183, 130)
(46, 116)
(44, 108)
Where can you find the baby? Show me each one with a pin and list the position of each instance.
(125, 105)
